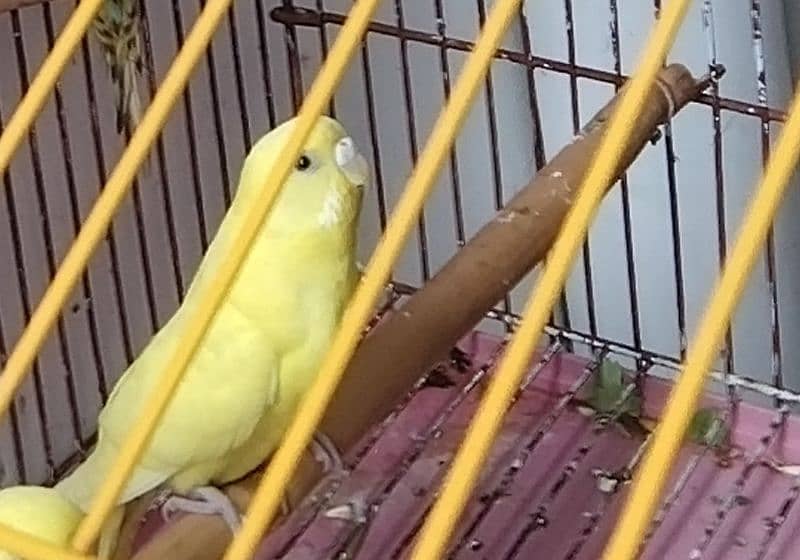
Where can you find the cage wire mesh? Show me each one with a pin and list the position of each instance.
(635, 295)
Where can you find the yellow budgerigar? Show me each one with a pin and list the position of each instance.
(40, 512)
(264, 346)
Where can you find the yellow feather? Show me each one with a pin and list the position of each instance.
(263, 347)
(40, 512)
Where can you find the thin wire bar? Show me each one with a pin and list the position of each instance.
(538, 147)
(621, 349)
(455, 183)
(544, 359)
(41, 86)
(191, 138)
(16, 436)
(491, 117)
(323, 48)
(42, 207)
(648, 486)
(482, 431)
(266, 70)
(586, 255)
(522, 456)
(675, 225)
(239, 75)
(311, 18)
(380, 494)
(776, 363)
(86, 285)
(119, 293)
(97, 222)
(76, 259)
(411, 129)
(278, 474)
(216, 107)
(22, 285)
(372, 120)
(293, 60)
(33, 548)
(317, 98)
(719, 172)
(627, 224)
(167, 205)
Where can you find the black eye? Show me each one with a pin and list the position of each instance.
(303, 163)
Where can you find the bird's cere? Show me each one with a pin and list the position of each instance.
(350, 161)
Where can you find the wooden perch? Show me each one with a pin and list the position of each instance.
(391, 360)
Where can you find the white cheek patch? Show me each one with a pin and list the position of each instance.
(331, 213)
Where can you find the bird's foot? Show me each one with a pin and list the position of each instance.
(325, 451)
(205, 500)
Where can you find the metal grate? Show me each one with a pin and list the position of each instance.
(256, 74)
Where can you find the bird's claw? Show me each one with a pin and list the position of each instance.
(206, 500)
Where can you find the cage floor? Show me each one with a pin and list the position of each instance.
(548, 490)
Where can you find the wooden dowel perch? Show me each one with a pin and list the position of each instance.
(394, 356)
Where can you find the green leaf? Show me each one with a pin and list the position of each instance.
(708, 428)
(614, 392)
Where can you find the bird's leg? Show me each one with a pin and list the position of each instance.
(325, 451)
(205, 500)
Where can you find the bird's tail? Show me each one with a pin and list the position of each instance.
(117, 28)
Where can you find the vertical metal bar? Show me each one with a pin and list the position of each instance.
(772, 280)
(16, 435)
(239, 73)
(295, 71)
(119, 292)
(719, 172)
(266, 70)
(47, 235)
(147, 54)
(674, 213)
(474, 450)
(411, 124)
(216, 104)
(323, 45)
(373, 134)
(576, 126)
(458, 206)
(47, 76)
(86, 287)
(491, 113)
(539, 151)
(191, 137)
(626, 200)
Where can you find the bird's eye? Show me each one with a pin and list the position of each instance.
(303, 163)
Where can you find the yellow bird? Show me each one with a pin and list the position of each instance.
(263, 348)
(40, 512)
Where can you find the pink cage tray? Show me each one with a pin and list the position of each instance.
(540, 495)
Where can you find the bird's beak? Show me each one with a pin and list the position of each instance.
(351, 162)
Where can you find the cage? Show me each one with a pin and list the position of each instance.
(556, 479)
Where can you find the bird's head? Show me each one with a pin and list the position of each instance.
(325, 187)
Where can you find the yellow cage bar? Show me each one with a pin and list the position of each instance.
(652, 477)
(41, 87)
(279, 472)
(94, 227)
(471, 456)
(32, 548)
(315, 102)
